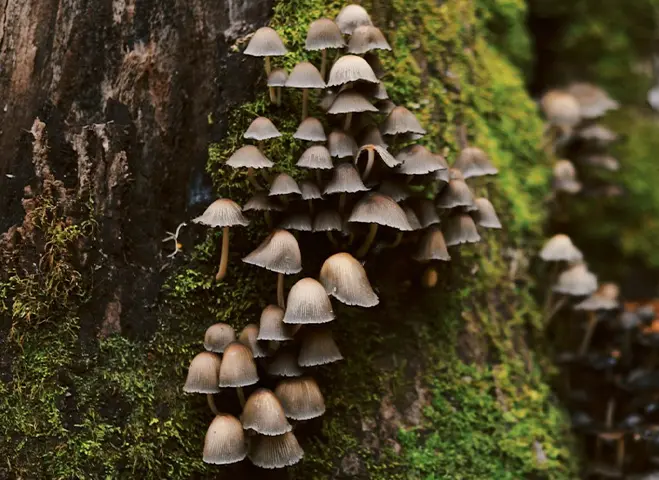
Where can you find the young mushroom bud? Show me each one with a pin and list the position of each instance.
(225, 441)
(218, 336)
(275, 452)
(264, 414)
(345, 279)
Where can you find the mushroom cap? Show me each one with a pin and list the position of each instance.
(371, 136)
(593, 101)
(418, 160)
(345, 179)
(275, 452)
(412, 219)
(317, 156)
(442, 176)
(261, 128)
(299, 221)
(301, 398)
(565, 177)
(455, 174)
(380, 152)
(271, 325)
(460, 229)
(264, 414)
(377, 208)
(401, 120)
(318, 348)
(203, 374)
(456, 194)
(373, 60)
(350, 68)
(311, 130)
(283, 184)
(279, 252)
(225, 441)
(561, 108)
(305, 75)
(427, 212)
(222, 212)
(322, 34)
(598, 133)
(249, 338)
(308, 303)
(607, 162)
(277, 78)
(327, 100)
(345, 279)
(486, 216)
(385, 107)
(560, 248)
(351, 102)
(398, 191)
(576, 281)
(249, 157)
(366, 38)
(326, 221)
(375, 91)
(263, 203)
(341, 145)
(352, 16)
(432, 246)
(474, 162)
(265, 43)
(238, 368)
(284, 364)
(597, 301)
(310, 190)
(218, 336)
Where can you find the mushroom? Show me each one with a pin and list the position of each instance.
(474, 162)
(432, 246)
(576, 281)
(308, 303)
(223, 213)
(345, 179)
(264, 414)
(272, 326)
(318, 348)
(275, 452)
(456, 194)
(352, 16)
(284, 364)
(598, 134)
(249, 338)
(328, 221)
(249, 157)
(350, 102)
(461, 229)
(261, 202)
(558, 248)
(276, 80)
(350, 68)
(412, 218)
(561, 109)
(593, 101)
(565, 177)
(282, 185)
(261, 129)
(305, 76)
(397, 190)
(225, 441)
(310, 192)
(280, 253)
(238, 369)
(341, 145)
(345, 279)
(300, 222)
(265, 43)
(218, 336)
(371, 150)
(323, 34)
(371, 135)
(418, 160)
(301, 398)
(203, 375)
(311, 130)
(366, 38)
(317, 158)
(486, 216)
(605, 298)
(426, 212)
(400, 121)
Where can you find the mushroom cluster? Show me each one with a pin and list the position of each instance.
(364, 188)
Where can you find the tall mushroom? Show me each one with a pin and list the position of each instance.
(265, 43)
(261, 129)
(276, 80)
(345, 279)
(249, 157)
(238, 369)
(306, 77)
(349, 102)
(323, 34)
(203, 376)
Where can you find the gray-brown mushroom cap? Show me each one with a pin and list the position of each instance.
(327, 221)
(218, 336)
(279, 252)
(412, 219)
(249, 338)
(261, 202)
(351, 102)
(316, 157)
(350, 68)
(283, 184)
(284, 364)
(418, 160)
(460, 229)
(351, 17)
(310, 190)
(597, 301)
(203, 374)
(593, 101)
(576, 281)
(318, 348)
(271, 325)
(561, 108)
(474, 162)
(323, 34)
(305, 75)
(565, 177)
(222, 213)
(301, 398)
(264, 414)
(261, 128)
(486, 216)
(277, 78)
(249, 157)
(398, 191)
(275, 452)
(341, 145)
(310, 130)
(400, 120)
(345, 179)
(308, 303)
(345, 279)
(427, 213)
(238, 368)
(225, 441)
(432, 246)
(265, 43)
(366, 38)
(379, 209)
(371, 136)
(560, 248)
(299, 221)
(456, 194)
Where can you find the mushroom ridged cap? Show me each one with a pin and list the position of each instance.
(305, 75)
(283, 184)
(301, 398)
(222, 213)
(597, 301)
(317, 156)
(327, 221)
(318, 348)
(261, 202)
(299, 221)
(284, 364)
(486, 216)
(272, 326)
(576, 281)
(350, 68)
(371, 136)
(460, 229)
(380, 152)
(432, 246)
(225, 441)
(261, 128)
(279, 252)
(345, 279)
(593, 101)
(418, 160)
(366, 38)
(456, 194)
(203, 374)
(264, 414)
(380, 209)
(249, 338)
(474, 162)
(218, 336)
(345, 179)
(238, 368)
(310, 130)
(265, 43)
(275, 452)
(341, 145)
(401, 120)
(352, 16)
(560, 248)
(277, 78)
(323, 34)
(249, 157)
(310, 190)
(412, 219)
(561, 108)
(351, 102)
(308, 303)
(396, 190)
(427, 213)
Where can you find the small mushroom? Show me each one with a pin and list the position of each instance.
(328, 221)
(560, 248)
(371, 152)
(426, 212)
(225, 441)
(282, 185)
(264, 414)
(310, 192)
(412, 218)
(284, 364)
(350, 68)
(486, 216)
(311, 130)
(400, 121)
(341, 145)
(593, 101)
(203, 375)
(397, 190)
(351, 17)
(300, 222)
(261, 129)
(605, 298)
(276, 80)
(474, 162)
(261, 202)
(265, 43)
(249, 337)
(316, 157)
(272, 326)
(418, 160)
(249, 157)
(218, 336)
(371, 135)
(565, 177)
(238, 369)
(432, 246)
(308, 303)
(366, 38)
(349, 102)
(322, 35)
(561, 109)
(460, 229)
(318, 348)
(301, 398)
(345, 179)
(345, 279)
(456, 194)
(306, 77)
(576, 281)
(275, 452)
(597, 134)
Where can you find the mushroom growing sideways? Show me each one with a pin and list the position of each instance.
(345, 279)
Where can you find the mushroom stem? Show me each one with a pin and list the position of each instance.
(342, 202)
(211, 403)
(553, 272)
(268, 68)
(279, 95)
(331, 238)
(280, 290)
(224, 256)
(310, 202)
(273, 95)
(363, 250)
(260, 145)
(557, 306)
(252, 179)
(610, 409)
(305, 102)
(268, 219)
(397, 240)
(620, 453)
(592, 323)
(323, 63)
(348, 120)
(241, 396)
(369, 163)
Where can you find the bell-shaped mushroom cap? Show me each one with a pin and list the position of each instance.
(283, 184)
(605, 298)
(367, 38)
(341, 144)
(322, 34)
(486, 216)
(412, 219)
(301, 398)
(461, 229)
(311, 130)
(352, 16)
(272, 326)
(351, 102)
(593, 101)
(305, 75)
(418, 160)
(264, 414)
(377, 208)
(474, 162)
(275, 452)
(576, 281)
(401, 120)
(225, 441)
(455, 194)
(426, 212)
(279, 252)
(598, 133)
(345, 179)
(249, 338)
(308, 303)
(249, 157)
(265, 43)
(277, 78)
(371, 136)
(396, 190)
(284, 364)
(317, 156)
(238, 368)
(380, 152)
(261, 128)
(203, 374)
(373, 60)
(432, 246)
(222, 213)
(318, 348)
(560, 248)
(385, 107)
(218, 336)
(300, 221)
(310, 190)
(565, 177)
(261, 202)
(607, 162)
(345, 279)
(326, 221)
(561, 108)
(350, 68)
